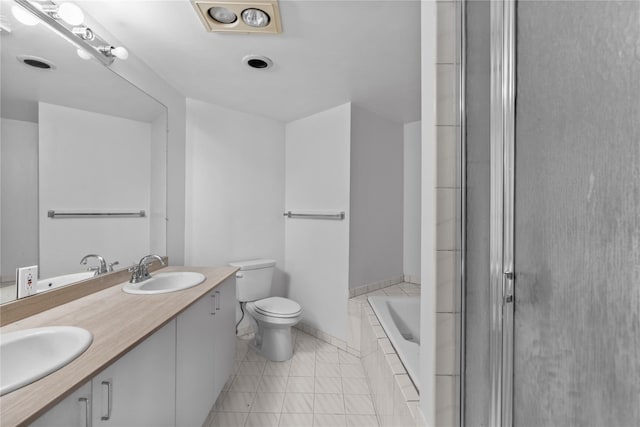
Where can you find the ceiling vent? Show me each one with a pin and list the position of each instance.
(239, 16)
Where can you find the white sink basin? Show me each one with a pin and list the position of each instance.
(30, 354)
(165, 282)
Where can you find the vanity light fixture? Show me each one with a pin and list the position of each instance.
(85, 33)
(24, 17)
(68, 12)
(239, 16)
(67, 19)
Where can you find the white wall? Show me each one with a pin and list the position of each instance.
(235, 188)
(144, 77)
(19, 243)
(158, 187)
(317, 251)
(72, 147)
(428, 222)
(412, 199)
(376, 234)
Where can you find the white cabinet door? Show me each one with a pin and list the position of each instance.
(194, 362)
(225, 332)
(73, 411)
(139, 389)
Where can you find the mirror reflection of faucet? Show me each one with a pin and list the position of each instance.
(102, 268)
(140, 272)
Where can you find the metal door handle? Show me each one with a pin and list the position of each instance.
(509, 276)
(87, 417)
(217, 300)
(109, 400)
(213, 304)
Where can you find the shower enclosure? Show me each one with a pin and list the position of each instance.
(552, 301)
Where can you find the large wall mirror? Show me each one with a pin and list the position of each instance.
(77, 138)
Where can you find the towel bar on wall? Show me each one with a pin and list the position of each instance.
(80, 214)
(336, 216)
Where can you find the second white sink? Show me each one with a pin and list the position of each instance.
(165, 282)
(30, 354)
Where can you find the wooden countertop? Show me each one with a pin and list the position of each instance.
(118, 322)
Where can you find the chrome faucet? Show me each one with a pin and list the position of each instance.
(102, 269)
(140, 272)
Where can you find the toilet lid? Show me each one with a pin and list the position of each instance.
(278, 307)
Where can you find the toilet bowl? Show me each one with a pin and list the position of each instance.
(274, 316)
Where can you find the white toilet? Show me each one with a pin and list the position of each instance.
(274, 315)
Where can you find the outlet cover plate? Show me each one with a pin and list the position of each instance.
(27, 280)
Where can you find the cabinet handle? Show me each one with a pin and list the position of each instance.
(109, 400)
(87, 417)
(213, 304)
(217, 300)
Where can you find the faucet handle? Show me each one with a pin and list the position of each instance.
(111, 265)
(135, 271)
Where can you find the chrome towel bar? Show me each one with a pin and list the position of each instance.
(337, 216)
(80, 214)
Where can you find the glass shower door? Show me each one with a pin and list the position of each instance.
(576, 351)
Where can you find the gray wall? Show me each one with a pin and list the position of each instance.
(477, 383)
(377, 179)
(19, 193)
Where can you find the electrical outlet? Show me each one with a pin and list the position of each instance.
(27, 279)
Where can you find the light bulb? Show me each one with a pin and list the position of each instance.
(70, 13)
(23, 16)
(120, 52)
(84, 54)
(255, 17)
(222, 15)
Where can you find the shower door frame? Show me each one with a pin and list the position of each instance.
(502, 274)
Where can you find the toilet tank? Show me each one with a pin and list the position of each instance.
(253, 280)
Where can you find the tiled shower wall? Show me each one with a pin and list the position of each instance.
(448, 247)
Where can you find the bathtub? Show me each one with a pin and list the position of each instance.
(399, 316)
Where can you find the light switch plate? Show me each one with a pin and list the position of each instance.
(27, 280)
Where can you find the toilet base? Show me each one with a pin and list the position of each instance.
(273, 343)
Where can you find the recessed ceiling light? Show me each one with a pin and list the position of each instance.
(256, 18)
(258, 62)
(222, 15)
(36, 62)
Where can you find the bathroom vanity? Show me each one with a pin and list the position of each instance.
(155, 360)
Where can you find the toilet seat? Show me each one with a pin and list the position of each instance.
(277, 307)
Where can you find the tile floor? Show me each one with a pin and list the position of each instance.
(320, 386)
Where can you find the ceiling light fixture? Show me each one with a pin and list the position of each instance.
(222, 15)
(255, 17)
(239, 16)
(66, 19)
(258, 62)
